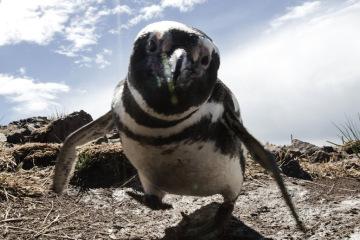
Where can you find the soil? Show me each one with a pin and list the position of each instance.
(323, 182)
(330, 209)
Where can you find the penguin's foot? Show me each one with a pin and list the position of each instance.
(211, 229)
(151, 201)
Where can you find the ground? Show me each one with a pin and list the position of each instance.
(330, 209)
(324, 184)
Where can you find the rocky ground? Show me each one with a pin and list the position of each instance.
(323, 181)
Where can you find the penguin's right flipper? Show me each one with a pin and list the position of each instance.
(263, 157)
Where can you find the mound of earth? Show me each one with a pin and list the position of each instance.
(42, 129)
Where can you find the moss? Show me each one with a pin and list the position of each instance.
(102, 165)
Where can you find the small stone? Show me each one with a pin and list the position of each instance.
(320, 156)
(2, 137)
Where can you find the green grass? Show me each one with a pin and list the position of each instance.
(349, 132)
(57, 114)
(102, 165)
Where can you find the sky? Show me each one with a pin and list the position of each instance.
(293, 65)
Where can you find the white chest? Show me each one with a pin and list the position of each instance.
(186, 168)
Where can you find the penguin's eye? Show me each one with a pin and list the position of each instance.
(204, 60)
(152, 46)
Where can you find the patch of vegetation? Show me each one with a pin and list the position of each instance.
(35, 154)
(350, 136)
(7, 161)
(25, 183)
(57, 114)
(102, 165)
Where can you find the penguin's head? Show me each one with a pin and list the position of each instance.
(173, 68)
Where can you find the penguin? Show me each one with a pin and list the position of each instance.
(179, 124)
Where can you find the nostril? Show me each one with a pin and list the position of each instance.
(204, 61)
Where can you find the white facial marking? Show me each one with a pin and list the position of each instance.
(146, 108)
(175, 56)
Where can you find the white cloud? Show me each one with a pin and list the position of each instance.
(299, 78)
(29, 95)
(100, 59)
(121, 9)
(32, 21)
(81, 32)
(183, 5)
(145, 14)
(297, 12)
(156, 10)
(73, 23)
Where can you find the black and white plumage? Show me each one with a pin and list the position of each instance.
(179, 124)
(170, 114)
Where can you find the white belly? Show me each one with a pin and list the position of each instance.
(186, 168)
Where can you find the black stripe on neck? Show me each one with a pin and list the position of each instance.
(143, 118)
(204, 130)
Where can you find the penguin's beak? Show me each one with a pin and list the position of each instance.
(181, 68)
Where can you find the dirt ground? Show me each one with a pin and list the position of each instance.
(330, 209)
(328, 201)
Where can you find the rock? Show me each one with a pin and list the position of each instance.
(304, 147)
(292, 168)
(2, 137)
(19, 131)
(328, 149)
(18, 136)
(288, 160)
(59, 129)
(320, 156)
(35, 120)
(41, 129)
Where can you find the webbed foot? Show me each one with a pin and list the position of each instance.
(151, 201)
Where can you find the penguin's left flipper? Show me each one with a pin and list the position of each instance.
(262, 156)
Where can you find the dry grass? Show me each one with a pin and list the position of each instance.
(7, 161)
(28, 155)
(36, 154)
(24, 183)
(334, 169)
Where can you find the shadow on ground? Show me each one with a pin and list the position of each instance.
(236, 229)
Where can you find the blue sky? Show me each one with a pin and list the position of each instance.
(293, 65)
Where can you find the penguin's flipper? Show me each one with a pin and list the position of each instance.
(65, 162)
(262, 156)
